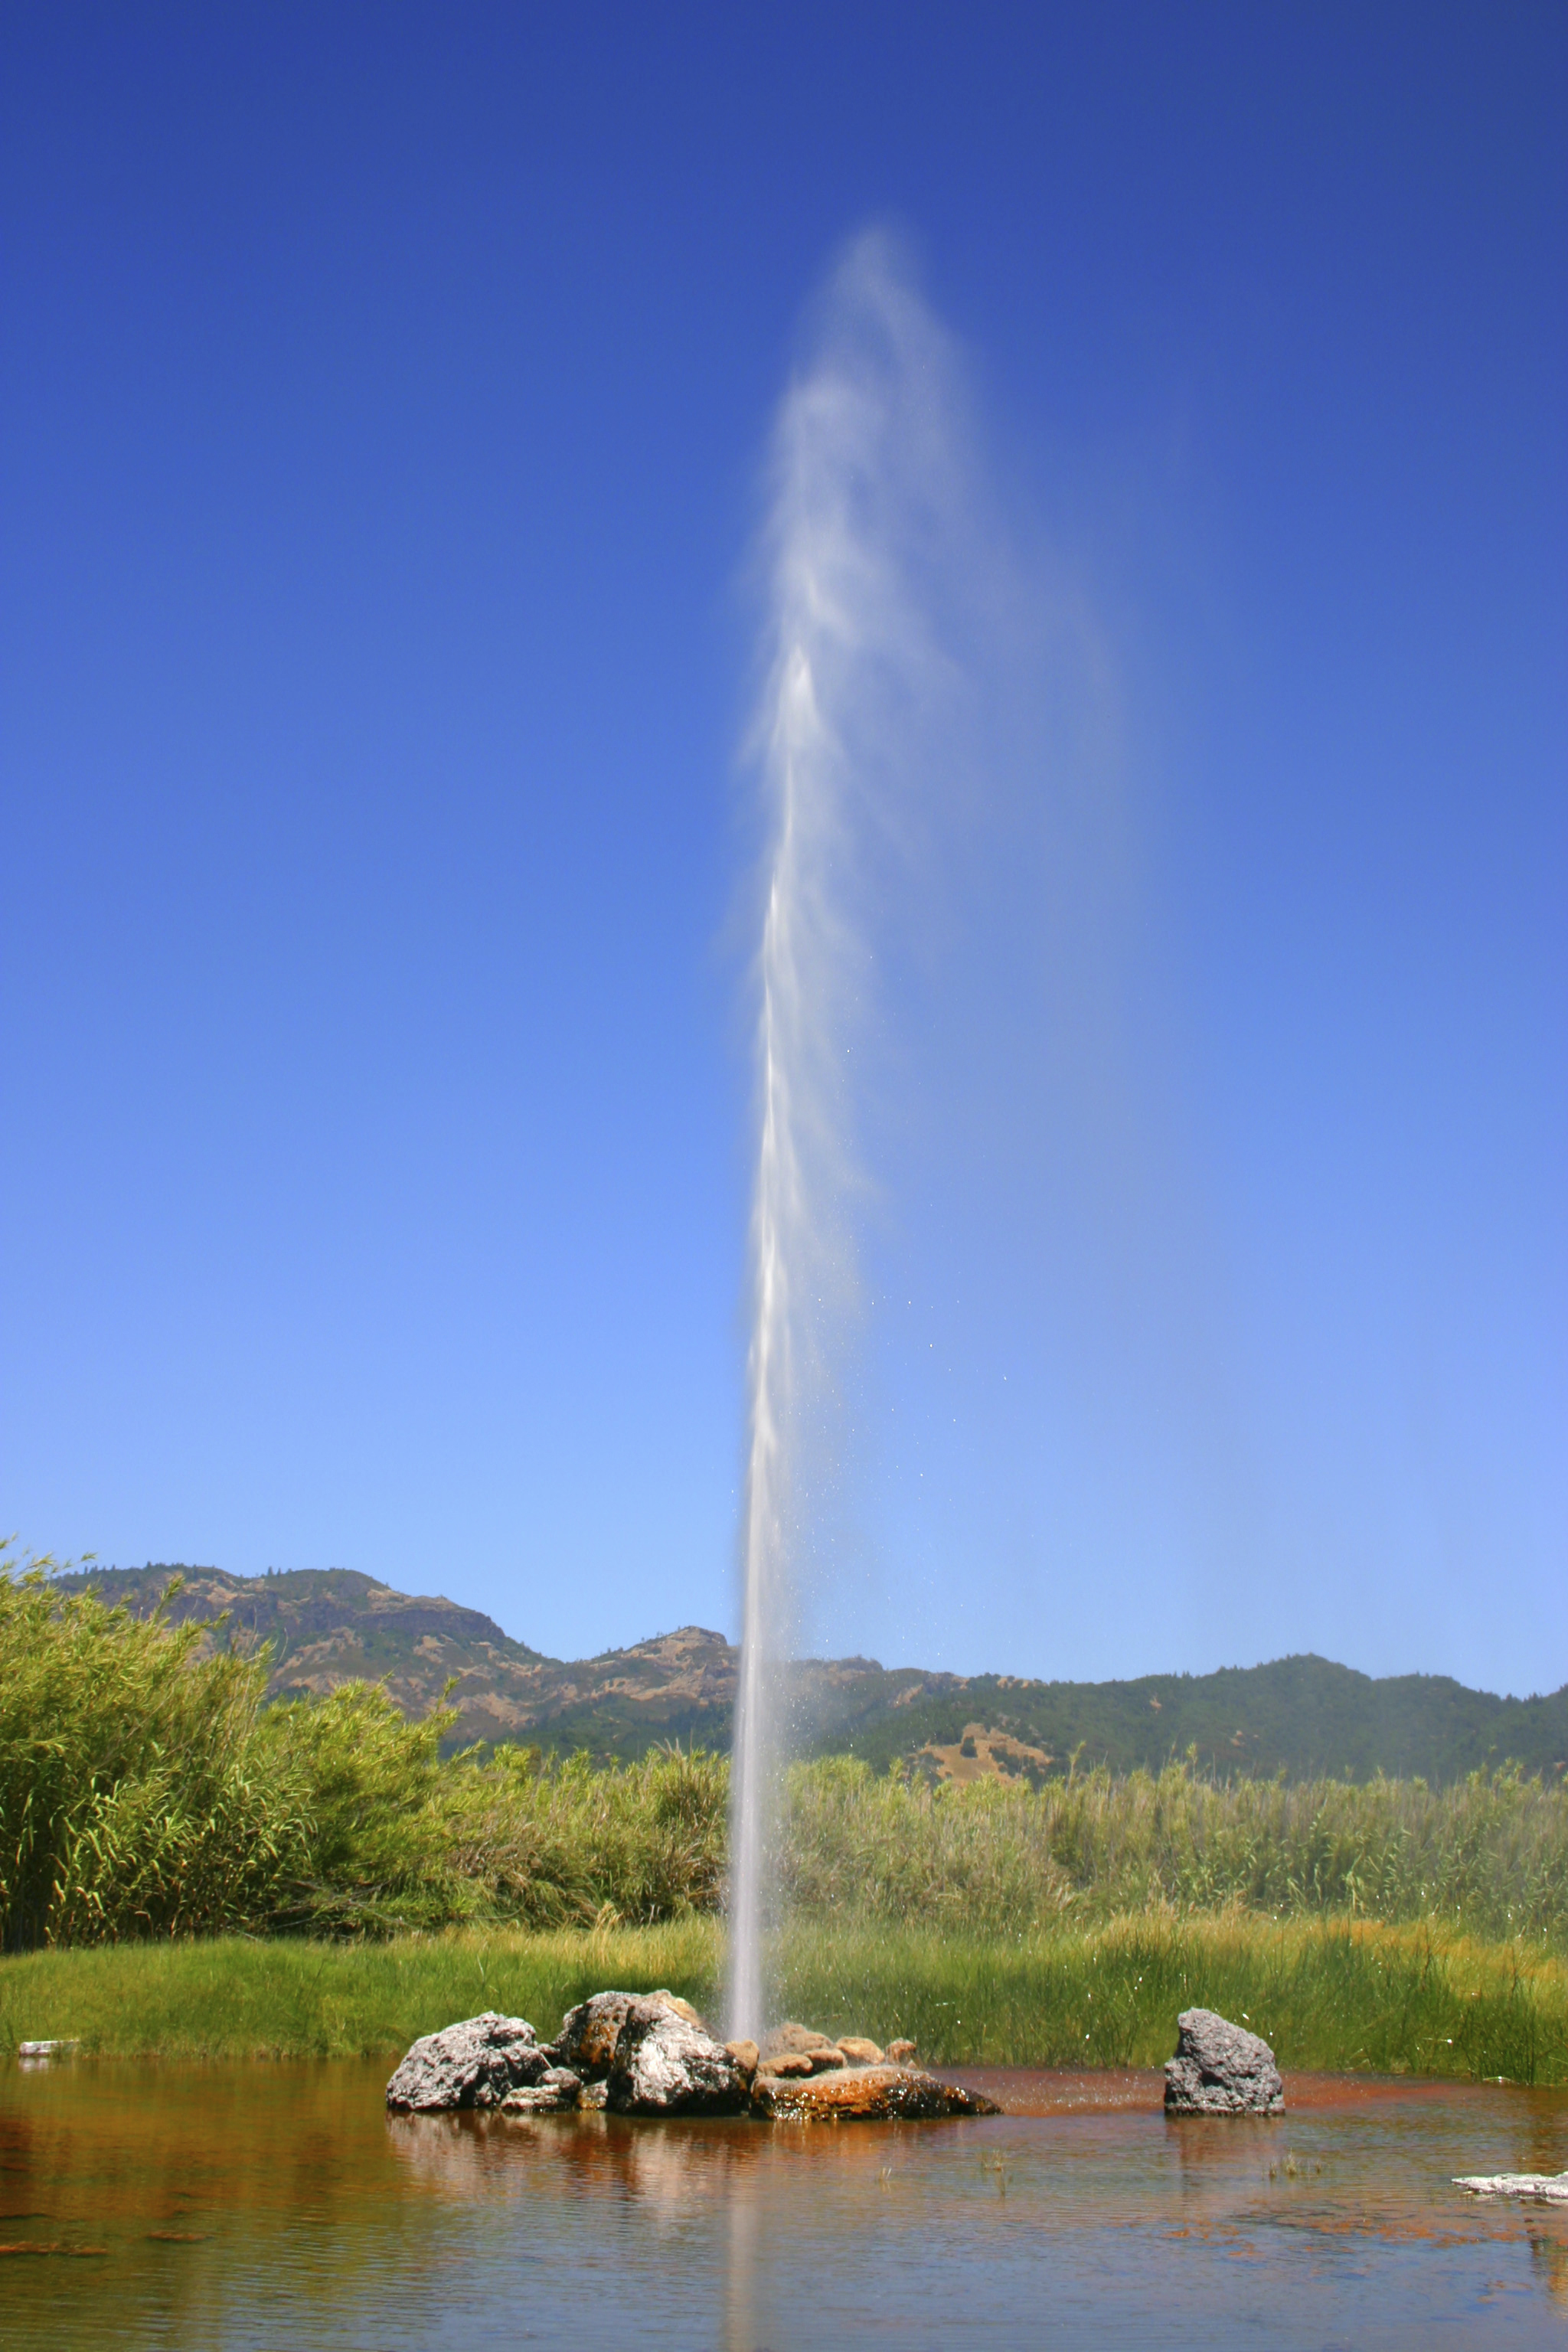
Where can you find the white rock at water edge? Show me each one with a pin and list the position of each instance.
(667, 2065)
(478, 2063)
(1541, 2188)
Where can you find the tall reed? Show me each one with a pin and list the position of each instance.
(1490, 1856)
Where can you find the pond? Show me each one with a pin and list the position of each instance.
(270, 2205)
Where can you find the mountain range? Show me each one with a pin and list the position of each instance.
(1299, 1715)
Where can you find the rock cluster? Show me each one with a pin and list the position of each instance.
(650, 2054)
(1220, 2069)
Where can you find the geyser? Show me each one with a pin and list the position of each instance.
(861, 464)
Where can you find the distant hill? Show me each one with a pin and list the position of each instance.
(1300, 1716)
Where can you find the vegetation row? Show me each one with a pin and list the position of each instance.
(147, 1791)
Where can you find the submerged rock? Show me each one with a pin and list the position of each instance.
(667, 2065)
(1220, 2069)
(1541, 2188)
(588, 2035)
(885, 2094)
(474, 2065)
(556, 2092)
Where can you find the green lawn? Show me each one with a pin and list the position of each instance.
(1327, 1995)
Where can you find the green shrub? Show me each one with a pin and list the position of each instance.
(567, 1844)
(136, 1798)
(145, 1791)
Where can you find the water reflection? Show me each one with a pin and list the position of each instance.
(234, 2207)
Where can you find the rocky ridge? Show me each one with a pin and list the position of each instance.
(1300, 1715)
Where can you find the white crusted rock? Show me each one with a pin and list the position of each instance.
(556, 2092)
(1536, 2187)
(664, 2065)
(588, 2035)
(474, 2065)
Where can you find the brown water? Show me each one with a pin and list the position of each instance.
(252, 2206)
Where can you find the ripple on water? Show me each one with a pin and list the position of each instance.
(238, 2206)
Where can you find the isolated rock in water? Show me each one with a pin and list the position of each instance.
(588, 2035)
(1541, 2188)
(1220, 2069)
(882, 2094)
(474, 2065)
(556, 2091)
(666, 2065)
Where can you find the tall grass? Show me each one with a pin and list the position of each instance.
(1335, 1995)
(294, 1997)
(1340, 1996)
(1488, 1857)
(135, 1796)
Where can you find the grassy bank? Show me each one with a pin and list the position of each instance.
(1338, 1996)
(232, 1997)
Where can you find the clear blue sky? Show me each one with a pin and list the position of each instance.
(385, 396)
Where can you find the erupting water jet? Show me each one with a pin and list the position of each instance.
(858, 450)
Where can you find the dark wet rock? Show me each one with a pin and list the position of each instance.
(1535, 2188)
(666, 2065)
(900, 2053)
(588, 2035)
(474, 2065)
(873, 2093)
(555, 2093)
(1220, 2069)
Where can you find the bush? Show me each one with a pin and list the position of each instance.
(136, 1798)
(145, 1791)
